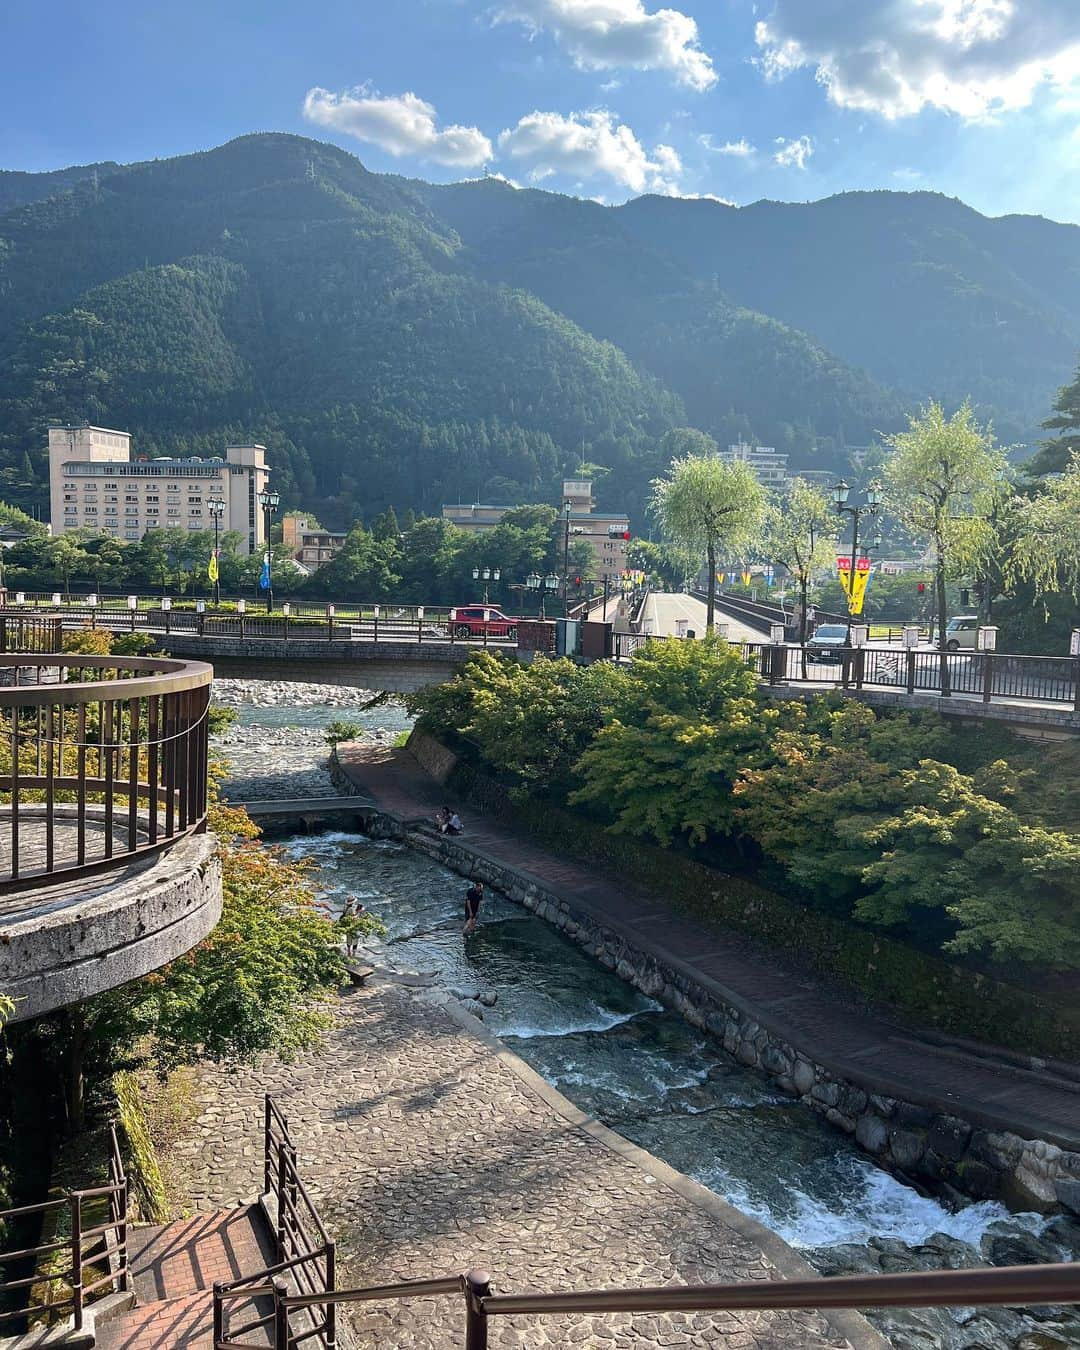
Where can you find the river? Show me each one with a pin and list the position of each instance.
(636, 1066)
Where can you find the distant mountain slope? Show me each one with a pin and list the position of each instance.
(18, 188)
(397, 342)
(739, 373)
(274, 288)
(926, 294)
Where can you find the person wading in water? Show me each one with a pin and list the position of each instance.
(473, 898)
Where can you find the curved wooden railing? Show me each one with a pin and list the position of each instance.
(103, 759)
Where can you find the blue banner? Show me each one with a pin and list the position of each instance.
(264, 575)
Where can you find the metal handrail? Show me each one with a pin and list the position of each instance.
(117, 1274)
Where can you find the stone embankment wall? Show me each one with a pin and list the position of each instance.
(914, 1139)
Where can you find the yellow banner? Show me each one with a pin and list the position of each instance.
(746, 578)
(212, 569)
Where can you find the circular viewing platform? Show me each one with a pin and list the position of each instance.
(106, 870)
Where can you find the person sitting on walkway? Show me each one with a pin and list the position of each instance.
(442, 816)
(474, 897)
(454, 825)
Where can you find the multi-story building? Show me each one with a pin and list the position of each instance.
(468, 516)
(606, 532)
(311, 546)
(94, 483)
(768, 464)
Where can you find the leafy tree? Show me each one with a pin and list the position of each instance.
(1010, 889)
(944, 478)
(65, 557)
(800, 534)
(385, 527)
(682, 723)
(1057, 454)
(664, 566)
(364, 568)
(706, 505)
(1047, 548)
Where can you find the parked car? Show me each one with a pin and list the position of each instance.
(961, 632)
(474, 620)
(827, 643)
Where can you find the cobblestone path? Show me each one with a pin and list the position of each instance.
(428, 1155)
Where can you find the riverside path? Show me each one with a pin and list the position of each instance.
(976, 1085)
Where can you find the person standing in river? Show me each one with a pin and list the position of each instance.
(474, 897)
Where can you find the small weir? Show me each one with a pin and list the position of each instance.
(642, 1069)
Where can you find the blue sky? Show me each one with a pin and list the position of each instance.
(787, 99)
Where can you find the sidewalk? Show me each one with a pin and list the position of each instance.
(876, 1055)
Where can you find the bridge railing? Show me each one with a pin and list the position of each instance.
(103, 759)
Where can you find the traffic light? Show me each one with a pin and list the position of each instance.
(578, 582)
(965, 596)
(921, 588)
(617, 532)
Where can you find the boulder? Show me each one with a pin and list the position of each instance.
(872, 1133)
(906, 1147)
(949, 1137)
(803, 1076)
(1018, 1248)
(1068, 1194)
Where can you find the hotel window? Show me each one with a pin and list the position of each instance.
(90, 510)
(131, 497)
(131, 510)
(152, 497)
(171, 498)
(111, 497)
(152, 511)
(194, 510)
(71, 510)
(110, 510)
(173, 511)
(111, 487)
(131, 534)
(71, 496)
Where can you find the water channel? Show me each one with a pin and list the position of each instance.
(637, 1066)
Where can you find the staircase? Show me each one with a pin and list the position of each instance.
(173, 1269)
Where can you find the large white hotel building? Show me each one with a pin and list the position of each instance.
(95, 484)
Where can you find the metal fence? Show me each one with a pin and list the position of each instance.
(305, 1264)
(95, 1248)
(102, 759)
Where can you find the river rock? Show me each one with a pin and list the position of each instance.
(948, 1137)
(803, 1076)
(1018, 1248)
(1068, 1193)
(872, 1133)
(906, 1147)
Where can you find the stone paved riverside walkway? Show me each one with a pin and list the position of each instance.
(429, 1150)
(854, 1045)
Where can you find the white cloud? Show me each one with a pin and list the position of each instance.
(616, 34)
(740, 149)
(895, 57)
(589, 145)
(705, 197)
(401, 124)
(793, 154)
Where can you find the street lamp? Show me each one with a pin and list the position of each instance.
(544, 586)
(216, 507)
(874, 499)
(489, 574)
(269, 501)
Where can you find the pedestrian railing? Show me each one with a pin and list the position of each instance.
(103, 759)
(73, 1268)
(305, 1264)
(1009, 1286)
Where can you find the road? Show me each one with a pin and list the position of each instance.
(664, 609)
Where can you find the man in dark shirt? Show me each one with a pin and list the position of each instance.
(473, 898)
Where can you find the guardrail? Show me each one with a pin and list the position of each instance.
(392, 626)
(305, 1254)
(1008, 1286)
(985, 675)
(108, 1248)
(102, 759)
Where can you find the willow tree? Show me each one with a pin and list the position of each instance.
(1047, 547)
(800, 534)
(944, 480)
(706, 505)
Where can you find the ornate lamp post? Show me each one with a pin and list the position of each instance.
(874, 498)
(489, 574)
(269, 501)
(216, 507)
(543, 586)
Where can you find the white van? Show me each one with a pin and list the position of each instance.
(961, 632)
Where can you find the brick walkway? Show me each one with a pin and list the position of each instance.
(173, 1269)
(877, 1055)
(429, 1152)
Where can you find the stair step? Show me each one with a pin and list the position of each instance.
(185, 1323)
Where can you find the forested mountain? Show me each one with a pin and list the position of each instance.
(398, 343)
(926, 294)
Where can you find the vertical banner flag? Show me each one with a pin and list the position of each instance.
(264, 575)
(859, 583)
(746, 578)
(212, 569)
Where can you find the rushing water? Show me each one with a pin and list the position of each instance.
(639, 1067)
